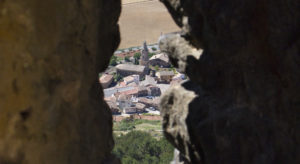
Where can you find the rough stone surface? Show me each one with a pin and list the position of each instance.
(242, 102)
(51, 105)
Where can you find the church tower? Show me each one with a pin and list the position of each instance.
(144, 56)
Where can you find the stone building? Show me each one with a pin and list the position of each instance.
(144, 56)
(153, 90)
(129, 69)
(165, 76)
(161, 60)
(106, 80)
(132, 79)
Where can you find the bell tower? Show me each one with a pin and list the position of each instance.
(144, 57)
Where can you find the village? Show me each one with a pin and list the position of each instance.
(135, 80)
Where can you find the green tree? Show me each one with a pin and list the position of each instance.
(151, 54)
(117, 77)
(153, 49)
(141, 148)
(127, 58)
(136, 57)
(113, 61)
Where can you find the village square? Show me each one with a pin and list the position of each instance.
(135, 80)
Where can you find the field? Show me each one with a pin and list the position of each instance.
(143, 20)
(152, 127)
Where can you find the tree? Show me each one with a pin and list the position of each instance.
(156, 68)
(136, 57)
(136, 61)
(141, 148)
(117, 77)
(113, 61)
(151, 54)
(127, 59)
(153, 49)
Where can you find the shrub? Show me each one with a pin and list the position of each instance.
(113, 61)
(156, 68)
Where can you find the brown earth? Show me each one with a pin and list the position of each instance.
(143, 20)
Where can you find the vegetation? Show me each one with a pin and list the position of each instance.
(129, 124)
(125, 125)
(138, 147)
(173, 69)
(153, 49)
(156, 68)
(148, 114)
(127, 59)
(136, 57)
(136, 62)
(117, 77)
(100, 74)
(113, 61)
(151, 54)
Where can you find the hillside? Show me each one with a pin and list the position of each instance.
(144, 20)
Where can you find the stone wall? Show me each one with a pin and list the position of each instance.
(51, 104)
(241, 104)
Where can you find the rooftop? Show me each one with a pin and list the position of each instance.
(161, 56)
(105, 78)
(131, 67)
(166, 73)
(128, 78)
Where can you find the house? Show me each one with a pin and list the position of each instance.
(131, 79)
(165, 76)
(143, 91)
(161, 60)
(153, 90)
(124, 101)
(112, 103)
(113, 107)
(106, 80)
(130, 110)
(148, 80)
(179, 76)
(129, 69)
(149, 102)
(140, 107)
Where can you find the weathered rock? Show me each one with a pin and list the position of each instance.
(51, 105)
(244, 90)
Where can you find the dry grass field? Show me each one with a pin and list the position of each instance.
(144, 20)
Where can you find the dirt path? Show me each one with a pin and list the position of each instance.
(144, 20)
